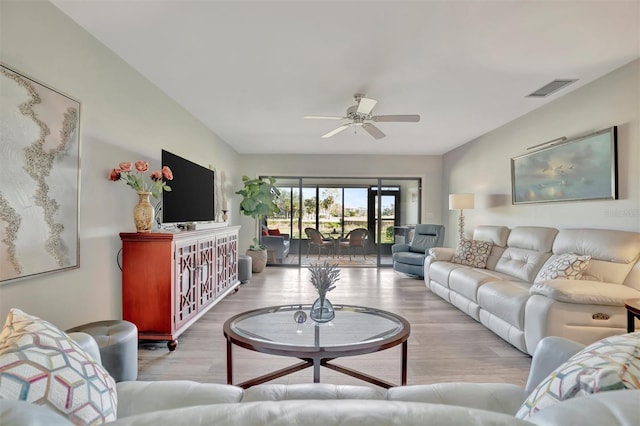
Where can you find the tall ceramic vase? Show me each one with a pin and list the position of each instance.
(143, 213)
(322, 310)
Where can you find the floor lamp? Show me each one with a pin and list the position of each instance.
(460, 202)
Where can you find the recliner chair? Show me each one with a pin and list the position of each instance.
(409, 258)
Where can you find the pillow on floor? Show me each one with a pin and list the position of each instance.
(610, 364)
(42, 365)
(567, 266)
(472, 253)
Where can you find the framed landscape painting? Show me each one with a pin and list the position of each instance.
(39, 178)
(579, 169)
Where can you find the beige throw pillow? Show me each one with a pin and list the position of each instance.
(472, 253)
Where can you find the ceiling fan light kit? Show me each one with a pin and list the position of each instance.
(360, 115)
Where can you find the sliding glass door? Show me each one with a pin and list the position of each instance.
(336, 206)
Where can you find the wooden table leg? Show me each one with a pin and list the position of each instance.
(403, 380)
(229, 364)
(631, 322)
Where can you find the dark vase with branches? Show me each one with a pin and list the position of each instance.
(258, 201)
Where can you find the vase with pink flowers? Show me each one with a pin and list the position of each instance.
(134, 176)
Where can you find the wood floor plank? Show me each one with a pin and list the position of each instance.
(445, 345)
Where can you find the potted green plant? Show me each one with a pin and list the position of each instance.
(258, 201)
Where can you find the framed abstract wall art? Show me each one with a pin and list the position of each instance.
(39, 178)
(584, 168)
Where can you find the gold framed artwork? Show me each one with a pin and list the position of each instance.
(39, 178)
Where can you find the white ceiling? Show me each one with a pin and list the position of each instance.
(250, 70)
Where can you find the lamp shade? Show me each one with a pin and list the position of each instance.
(460, 201)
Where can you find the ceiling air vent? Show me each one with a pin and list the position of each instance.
(552, 87)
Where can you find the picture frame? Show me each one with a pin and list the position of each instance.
(39, 178)
(583, 168)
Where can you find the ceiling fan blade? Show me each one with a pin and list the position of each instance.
(373, 130)
(336, 131)
(365, 106)
(410, 118)
(325, 117)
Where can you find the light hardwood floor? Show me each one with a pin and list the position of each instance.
(445, 344)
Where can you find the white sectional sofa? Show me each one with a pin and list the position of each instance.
(182, 402)
(506, 298)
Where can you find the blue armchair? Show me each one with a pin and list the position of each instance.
(409, 258)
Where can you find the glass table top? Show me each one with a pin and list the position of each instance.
(352, 325)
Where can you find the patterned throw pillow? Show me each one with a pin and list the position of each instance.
(42, 365)
(610, 364)
(472, 253)
(566, 266)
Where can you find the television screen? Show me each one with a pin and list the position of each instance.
(191, 198)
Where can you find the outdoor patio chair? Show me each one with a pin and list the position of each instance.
(316, 239)
(355, 238)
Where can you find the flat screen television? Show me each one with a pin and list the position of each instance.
(191, 198)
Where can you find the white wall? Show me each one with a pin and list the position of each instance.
(429, 168)
(483, 165)
(123, 118)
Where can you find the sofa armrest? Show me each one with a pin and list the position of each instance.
(550, 353)
(585, 292)
(442, 254)
(397, 248)
(143, 397)
(618, 407)
(498, 397)
(16, 413)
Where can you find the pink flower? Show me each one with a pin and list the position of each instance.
(115, 175)
(167, 173)
(142, 166)
(125, 166)
(136, 179)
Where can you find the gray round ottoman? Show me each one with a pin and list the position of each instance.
(118, 343)
(244, 268)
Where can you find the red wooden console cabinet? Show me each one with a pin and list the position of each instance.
(169, 280)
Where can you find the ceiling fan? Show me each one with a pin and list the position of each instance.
(360, 115)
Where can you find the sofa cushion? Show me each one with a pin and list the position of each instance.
(498, 235)
(521, 263)
(613, 253)
(568, 266)
(143, 397)
(41, 364)
(472, 253)
(316, 391)
(327, 412)
(466, 281)
(612, 363)
(585, 292)
(506, 300)
(536, 238)
(441, 271)
(498, 397)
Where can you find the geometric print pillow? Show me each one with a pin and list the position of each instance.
(41, 364)
(610, 364)
(567, 266)
(472, 253)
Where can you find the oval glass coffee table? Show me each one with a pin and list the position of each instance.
(355, 330)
